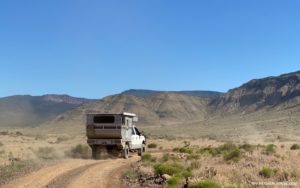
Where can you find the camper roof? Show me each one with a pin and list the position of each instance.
(129, 114)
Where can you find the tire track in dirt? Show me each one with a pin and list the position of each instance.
(63, 180)
(42, 177)
(104, 175)
(77, 174)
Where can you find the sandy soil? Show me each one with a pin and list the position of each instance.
(76, 174)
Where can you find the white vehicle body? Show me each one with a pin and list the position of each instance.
(114, 132)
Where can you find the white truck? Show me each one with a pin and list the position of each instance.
(114, 134)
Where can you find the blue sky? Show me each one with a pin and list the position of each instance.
(97, 48)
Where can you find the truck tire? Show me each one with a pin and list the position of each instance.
(95, 152)
(141, 150)
(126, 151)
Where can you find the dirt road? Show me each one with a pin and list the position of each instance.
(77, 173)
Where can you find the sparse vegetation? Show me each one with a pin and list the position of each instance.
(295, 147)
(1, 144)
(205, 184)
(230, 151)
(152, 145)
(174, 182)
(269, 149)
(80, 152)
(195, 165)
(267, 172)
(170, 169)
(183, 150)
(148, 157)
(61, 139)
(46, 153)
(8, 172)
(233, 155)
(130, 175)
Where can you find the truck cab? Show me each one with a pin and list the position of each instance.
(115, 133)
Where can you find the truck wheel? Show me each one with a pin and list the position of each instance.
(95, 152)
(126, 151)
(141, 150)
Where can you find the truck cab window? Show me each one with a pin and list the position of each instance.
(137, 131)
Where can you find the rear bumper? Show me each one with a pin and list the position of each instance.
(105, 142)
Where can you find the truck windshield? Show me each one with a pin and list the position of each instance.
(104, 119)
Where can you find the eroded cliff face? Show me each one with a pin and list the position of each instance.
(279, 92)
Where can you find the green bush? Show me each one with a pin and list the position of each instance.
(148, 157)
(152, 145)
(270, 149)
(209, 150)
(227, 147)
(174, 182)
(205, 184)
(195, 165)
(186, 150)
(295, 146)
(45, 153)
(79, 152)
(247, 147)
(170, 169)
(267, 172)
(230, 151)
(233, 155)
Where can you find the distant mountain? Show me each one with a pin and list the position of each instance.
(146, 93)
(272, 92)
(26, 110)
(155, 110)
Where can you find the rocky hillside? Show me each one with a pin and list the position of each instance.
(26, 110)
(147, 93)
(270, 93)
(158, 109)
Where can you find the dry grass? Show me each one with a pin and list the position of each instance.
(226, 164)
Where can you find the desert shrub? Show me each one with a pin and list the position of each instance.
(233, 155)
(295, 146)
(79, 151)
(165, 157)
(247, 147)
(269, 149)
(148, 157)
(1, 144)
(185, 150)
(46, 153)
(8, 172)
(230, 151)
(267, 172)
(130, 175)
(174, 182)
(152, 145)
(193, 156)
(209, 150)
(195, 165)
(170, 169)
(205, 184)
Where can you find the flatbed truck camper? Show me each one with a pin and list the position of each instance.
(113, 134)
